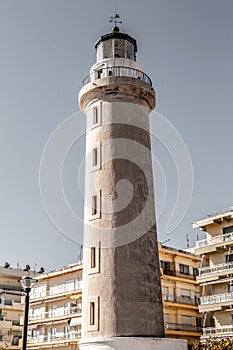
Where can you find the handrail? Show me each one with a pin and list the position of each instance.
(215, 268)
(214, 240)
(217, 330)
(183, 327)
(55, 337)
(182, 300)
(216, 299)
(63, 289)
(55, 313)
(116, 71)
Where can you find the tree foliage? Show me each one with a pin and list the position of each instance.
(214, 344)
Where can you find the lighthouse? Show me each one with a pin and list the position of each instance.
(122, 304)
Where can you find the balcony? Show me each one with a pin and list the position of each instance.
(63, 290)
(212, 244)
(55, 314)
(58, 338)
(218, 332)
(214, 272)
(177, 273)
(182, 327)
(215, 302)
(181, 300)
(117, 71)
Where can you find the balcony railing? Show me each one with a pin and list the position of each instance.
(216, 268)
(178, 274)
(182, 327)
(182, 300)
(51, 292)
(216, 299)
(218, 331)
(117, 71)
(215, 240)
(55, 313)
(51, 338)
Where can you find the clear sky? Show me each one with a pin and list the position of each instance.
(47, 47)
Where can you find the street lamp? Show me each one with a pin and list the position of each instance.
(27, 284)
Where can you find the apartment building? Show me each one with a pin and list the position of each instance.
(180, 294)
(11, 309)
(55, 309)
(216, 274)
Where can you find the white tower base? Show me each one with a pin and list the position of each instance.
(133, 343)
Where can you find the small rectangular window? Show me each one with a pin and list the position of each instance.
(94, 205)
(93, 257)
(92, 313)
(184, 269)
(95, 115)
(94, 157)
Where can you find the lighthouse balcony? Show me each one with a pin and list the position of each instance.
(117, 71)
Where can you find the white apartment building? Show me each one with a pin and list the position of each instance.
(216, 274)
(55, 309)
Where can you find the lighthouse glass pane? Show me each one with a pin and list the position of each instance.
(119, 48)
(107, 49)
(100, 52)
(129, 50)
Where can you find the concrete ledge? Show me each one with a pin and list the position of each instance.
(132, 343)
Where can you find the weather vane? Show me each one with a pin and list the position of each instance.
(115, 18)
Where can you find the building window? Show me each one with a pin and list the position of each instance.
(195, 272)
(94, 205)
(198, 322)
(92, 313)
(165, 265)
(184, 269)
(229, 257)
(94, 156)
(228, 229)
(185, 293)
(187, 320)
(93, 257)
(164, 290)
(95, 115)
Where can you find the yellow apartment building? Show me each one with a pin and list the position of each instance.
(180, 294)
(55, 309)
(216, 274)
(11, 309)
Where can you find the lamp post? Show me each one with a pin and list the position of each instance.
(27, 284)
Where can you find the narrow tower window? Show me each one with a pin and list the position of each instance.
(92, 313)
(95, 115)
(94, 157)
(94, 205)
(93, 257)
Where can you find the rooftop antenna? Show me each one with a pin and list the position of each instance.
(115, 19)
(187, 240)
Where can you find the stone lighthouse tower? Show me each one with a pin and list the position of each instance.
(122, 306)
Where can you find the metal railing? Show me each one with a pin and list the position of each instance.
(216, 268)
(56, 337)
(51, 292)
(218, 331)
(182, 300)
(117, 71)
(216, 299)
(182, 327)
(215, 240)
(55, 313)
(178, 274)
